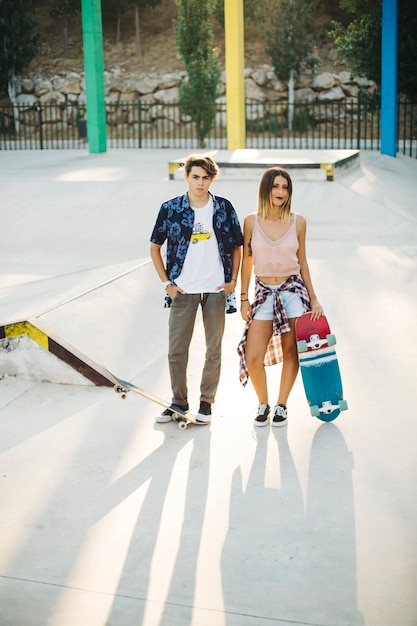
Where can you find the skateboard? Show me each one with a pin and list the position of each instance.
(319, 367)
(123, 387)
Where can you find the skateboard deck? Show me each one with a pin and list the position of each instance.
(123, 387)
(319, 367)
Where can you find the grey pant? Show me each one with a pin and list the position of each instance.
(181, 326)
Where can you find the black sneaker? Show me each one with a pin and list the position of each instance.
(280, 415)
(167, 415)
(262, 417)
(204, 412)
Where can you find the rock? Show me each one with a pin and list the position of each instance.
(166, 96)
(305, 95)
(350, 90)
(53, 97)
(26, 100)
(167, 81)
(147, 85)
(41, 87)
(261, 77)
(323, 81)
(253, 92)
(331, 95)
(346, 78)
(27, 85)
(71, 84)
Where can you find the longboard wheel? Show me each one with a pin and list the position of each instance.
(331, 340)
(314, 410)
(302, 345)
(343, 405)
(182, 425)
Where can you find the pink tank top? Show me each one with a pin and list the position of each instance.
(275, 258)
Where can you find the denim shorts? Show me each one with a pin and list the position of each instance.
(291, 301)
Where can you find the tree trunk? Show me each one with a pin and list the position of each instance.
(66, 47)
(118, 27)
(291, 82)
(137, 32)
(11, 88)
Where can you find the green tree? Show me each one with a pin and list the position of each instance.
(17, 45)
(290, 38)
(360, 41)
(253, 11)
(63, 10)
(195, 38)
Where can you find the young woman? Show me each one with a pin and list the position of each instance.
(274, 247)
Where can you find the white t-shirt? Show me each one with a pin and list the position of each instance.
(202, 271)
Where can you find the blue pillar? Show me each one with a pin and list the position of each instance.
(389, 77)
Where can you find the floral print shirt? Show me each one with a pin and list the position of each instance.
(174, 225)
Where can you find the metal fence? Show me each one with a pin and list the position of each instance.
(351, 124)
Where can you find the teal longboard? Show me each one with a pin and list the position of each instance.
(319, 367)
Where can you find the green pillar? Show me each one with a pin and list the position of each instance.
(94, 75)
(235, 79)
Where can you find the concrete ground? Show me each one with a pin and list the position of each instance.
(108, 519)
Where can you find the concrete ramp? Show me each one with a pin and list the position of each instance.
(105, 325)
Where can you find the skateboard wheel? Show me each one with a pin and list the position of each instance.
(182, 425)
(302, 345)
(331, 340)
(314, 410)
(343, 405)
(121, 391)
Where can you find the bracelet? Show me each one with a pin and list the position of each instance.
(234, 280)
(244, 293)
(246, 300)
(165, 284)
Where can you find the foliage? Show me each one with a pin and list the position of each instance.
(360, 41)
(290, 37)
(195, 42)
(253, 11)
(17, 39)
(198, 97)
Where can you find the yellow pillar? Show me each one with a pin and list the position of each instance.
(235, 81)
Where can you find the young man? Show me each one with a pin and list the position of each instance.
(204, 240)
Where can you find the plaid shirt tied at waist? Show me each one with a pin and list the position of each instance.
(280, 323)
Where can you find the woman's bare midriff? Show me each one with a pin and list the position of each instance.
(273, 280)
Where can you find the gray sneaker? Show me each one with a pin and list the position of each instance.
(167, 415)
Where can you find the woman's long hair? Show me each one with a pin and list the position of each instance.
(265, 206)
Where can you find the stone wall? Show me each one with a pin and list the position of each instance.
(153, 91)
